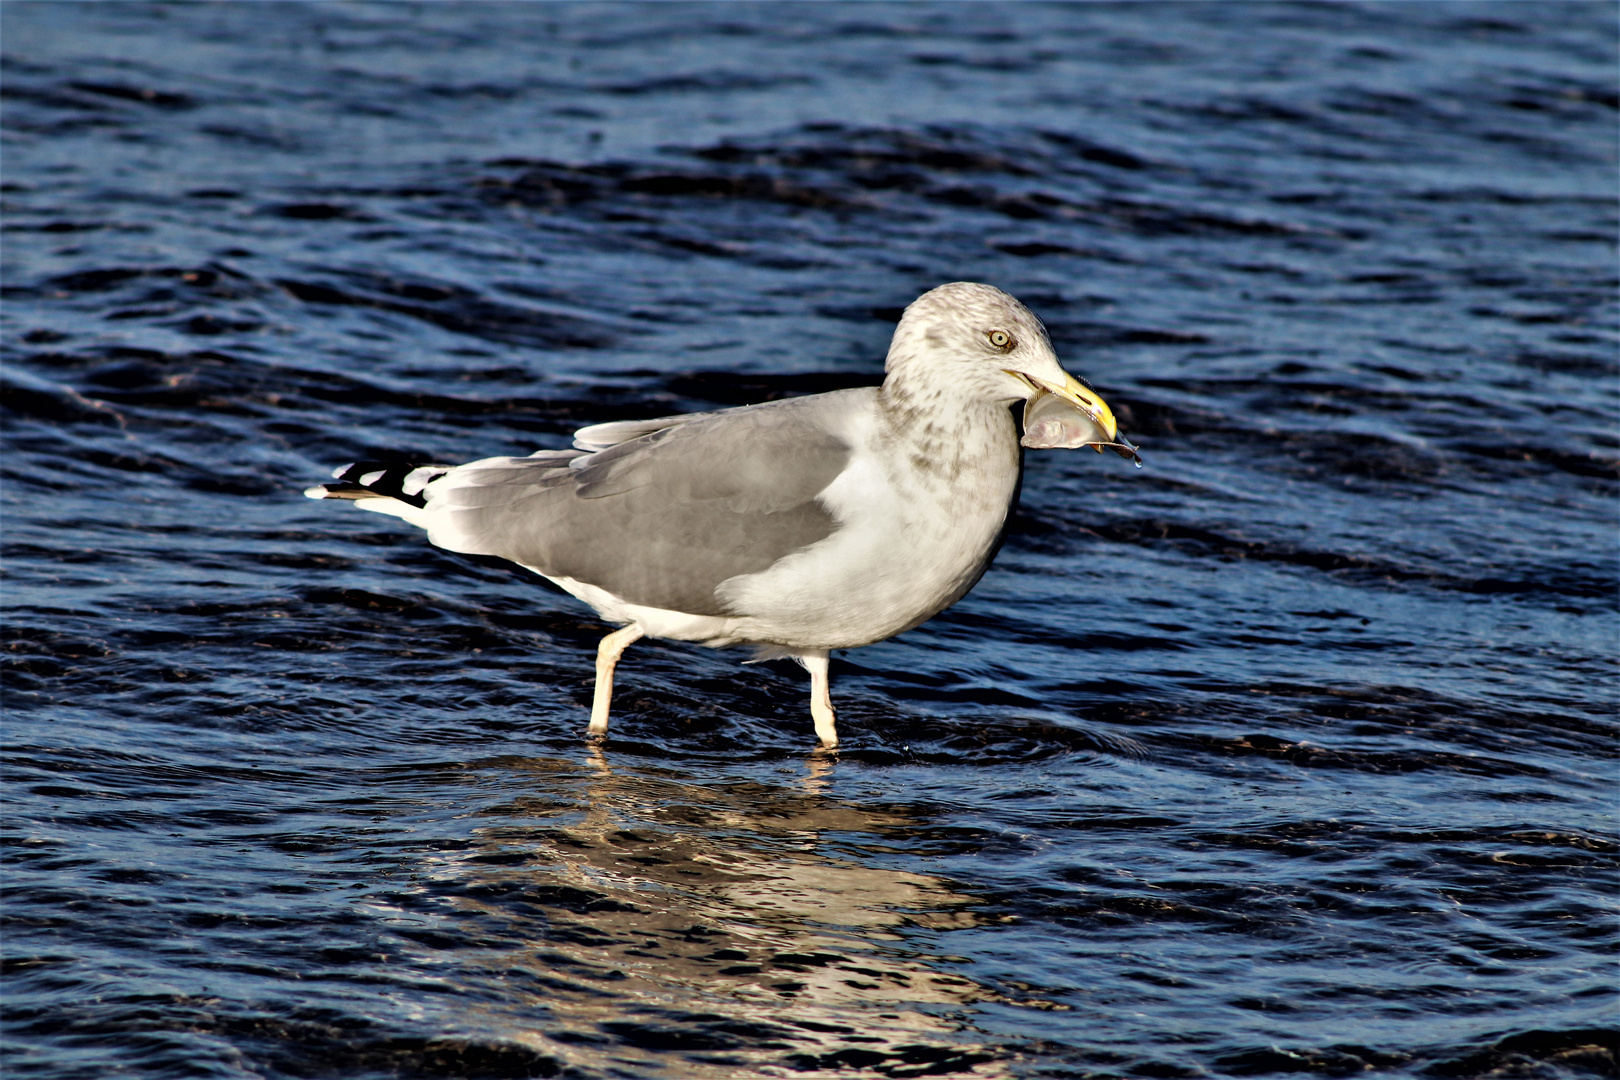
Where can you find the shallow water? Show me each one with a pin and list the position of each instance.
(1291, 752)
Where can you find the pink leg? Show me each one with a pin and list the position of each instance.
(607, 658)
(821, 709)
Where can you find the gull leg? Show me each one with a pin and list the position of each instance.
(607, 658)
(821, 709)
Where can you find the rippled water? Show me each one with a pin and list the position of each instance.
(1292, 752)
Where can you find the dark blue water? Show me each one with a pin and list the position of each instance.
(1290, 753)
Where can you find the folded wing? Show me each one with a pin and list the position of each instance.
(659, 519)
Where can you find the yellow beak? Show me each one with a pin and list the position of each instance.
(1077, 394)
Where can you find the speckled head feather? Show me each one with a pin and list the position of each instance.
(948, 386)
(960, 339)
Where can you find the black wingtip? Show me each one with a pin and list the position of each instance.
(370, 479)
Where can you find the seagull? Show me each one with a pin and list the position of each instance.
(797, 526)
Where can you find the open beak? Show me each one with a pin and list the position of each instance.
(1079, 395)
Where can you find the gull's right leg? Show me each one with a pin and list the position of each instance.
(821, 709)
(607, 658)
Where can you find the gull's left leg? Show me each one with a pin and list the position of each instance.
(607, 658)
(821, 709)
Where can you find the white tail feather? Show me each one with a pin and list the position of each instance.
(382, 504)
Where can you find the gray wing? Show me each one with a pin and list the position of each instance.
(663, 519)
(602, 436)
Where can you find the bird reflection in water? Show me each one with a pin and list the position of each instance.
(628, 920)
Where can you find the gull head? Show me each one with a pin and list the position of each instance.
(969, 339)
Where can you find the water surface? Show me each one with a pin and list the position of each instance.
(1291, 752)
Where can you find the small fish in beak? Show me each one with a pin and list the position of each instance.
(1053, 422)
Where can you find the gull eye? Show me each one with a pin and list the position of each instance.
(1001, 339)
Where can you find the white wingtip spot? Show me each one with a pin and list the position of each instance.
(367, 479)
(337, 473)
(418, 479)
(316, 492)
